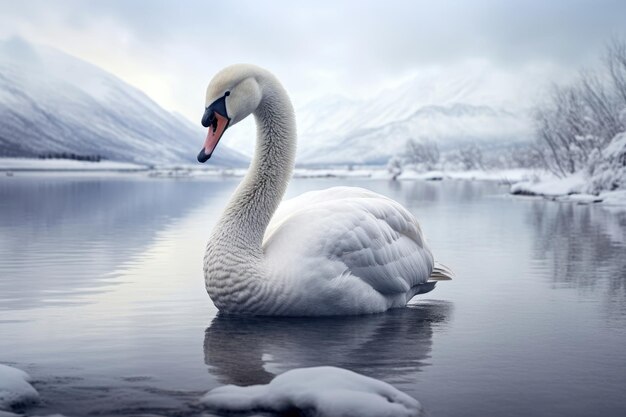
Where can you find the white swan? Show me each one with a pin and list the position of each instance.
(338, 251)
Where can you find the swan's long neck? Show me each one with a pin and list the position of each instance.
(235, 273)
(262, 189)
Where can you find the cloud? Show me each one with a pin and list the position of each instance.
(171, 49)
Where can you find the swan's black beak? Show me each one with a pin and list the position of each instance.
(203, 157)
(217, 120)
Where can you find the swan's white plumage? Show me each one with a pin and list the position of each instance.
(343, 250)
(369, 236)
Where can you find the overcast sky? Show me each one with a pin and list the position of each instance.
(170, 49)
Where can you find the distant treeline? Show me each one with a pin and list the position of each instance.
(424, 155)
(70, 155)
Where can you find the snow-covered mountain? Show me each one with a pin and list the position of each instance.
(53, 103)
(446, 107)
(450, 107)
(449, 126)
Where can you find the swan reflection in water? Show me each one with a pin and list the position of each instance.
(391, 346)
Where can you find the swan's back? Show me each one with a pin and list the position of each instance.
(346, 233)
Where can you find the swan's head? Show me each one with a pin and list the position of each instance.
(232, 95)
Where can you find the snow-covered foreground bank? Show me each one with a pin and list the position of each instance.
(324, 391)
(15, 389)
(321, 391)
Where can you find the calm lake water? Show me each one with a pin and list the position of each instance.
(102, 301)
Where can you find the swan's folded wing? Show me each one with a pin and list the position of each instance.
(372, 237)
(308, 200)
(385, 248)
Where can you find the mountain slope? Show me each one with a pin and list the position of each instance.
(452, 107)
(449, 126)
(52, 103)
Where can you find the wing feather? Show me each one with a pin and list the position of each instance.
(372, 236)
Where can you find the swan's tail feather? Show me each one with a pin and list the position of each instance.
(441, 273)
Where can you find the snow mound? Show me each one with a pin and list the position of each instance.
(14, 388)
(582, 198)
(617, 198)
(321, 391)
(551, 188)
(569, 189)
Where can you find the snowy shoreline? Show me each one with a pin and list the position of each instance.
(568, 189)
(10, 165)
(50, 165)
(523, 182)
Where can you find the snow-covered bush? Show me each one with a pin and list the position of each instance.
(577, 120)
(580, 128)
(467, 157)
(607, 169)
(421, 155)
(394, 167)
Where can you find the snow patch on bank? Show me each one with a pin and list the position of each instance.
(321, 391)
(571, 188)
(573, 184)
(613, 198)
(15, 389)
